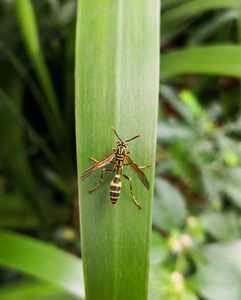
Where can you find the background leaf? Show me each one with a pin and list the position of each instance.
(34, 290)
(221, 268)
(169, 210)
(43, 261)
(28, 26)
(221, 226)
(203, 60)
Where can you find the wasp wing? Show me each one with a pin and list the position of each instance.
(138, 172)
(97, 165)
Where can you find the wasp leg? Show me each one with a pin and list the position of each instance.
(101, 178)
(128, 178)
(95, 160)
(138, 166)
(144, 166)
(91, 158)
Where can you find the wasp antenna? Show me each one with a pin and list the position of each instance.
(116, 133)
(134, 138)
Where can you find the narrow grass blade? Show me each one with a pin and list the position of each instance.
(213, 60)
(16, 114)
(179, 16)
(43, 261)
(35, 90)
(189, 8)
(239, 36)
(28, 26)
(15, 214)
(11, 138)
(117, 61)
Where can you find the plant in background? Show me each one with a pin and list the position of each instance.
(200, 156)
(197, 192)
(199, 150)
(195, 242)
(37, 155)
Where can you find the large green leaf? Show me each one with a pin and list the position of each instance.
(117, 66)
(213, 60)
(42, 261)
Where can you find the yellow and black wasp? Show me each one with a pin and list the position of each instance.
(120, 158)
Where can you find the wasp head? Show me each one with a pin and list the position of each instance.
(120, 142)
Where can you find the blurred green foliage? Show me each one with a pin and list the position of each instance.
(196, 245)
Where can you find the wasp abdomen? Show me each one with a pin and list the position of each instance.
(115, 188)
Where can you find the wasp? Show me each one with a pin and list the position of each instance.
(120, 158)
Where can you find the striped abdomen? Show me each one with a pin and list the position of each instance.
(115, 188)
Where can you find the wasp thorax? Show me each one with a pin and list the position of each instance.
(121, 148)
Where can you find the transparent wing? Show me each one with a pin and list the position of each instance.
(138, 172)
(97, 165)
